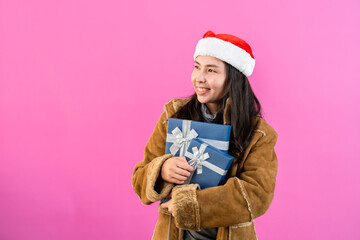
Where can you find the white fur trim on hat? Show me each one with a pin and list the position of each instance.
(226, 51)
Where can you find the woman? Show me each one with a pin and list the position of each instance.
(222, 95)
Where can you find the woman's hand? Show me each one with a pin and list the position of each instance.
(176, 170)
(168, 205)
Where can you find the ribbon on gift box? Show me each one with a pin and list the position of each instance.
(198, 159)
(181, 139)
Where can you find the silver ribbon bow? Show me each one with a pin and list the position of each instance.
(198, 159)
(181, 139)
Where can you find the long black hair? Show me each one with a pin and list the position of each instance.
(244, 110)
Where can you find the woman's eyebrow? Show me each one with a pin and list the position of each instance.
(209, 65)
(213, 66)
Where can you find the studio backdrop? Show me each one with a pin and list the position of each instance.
(83, 83)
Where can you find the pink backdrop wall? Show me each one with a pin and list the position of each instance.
(82, 84)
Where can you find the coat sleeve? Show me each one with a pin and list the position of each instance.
(246, 196)
(145, 179)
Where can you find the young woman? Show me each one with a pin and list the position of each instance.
(223, 95)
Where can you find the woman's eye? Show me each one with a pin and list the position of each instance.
(211, 70)
(197, 67)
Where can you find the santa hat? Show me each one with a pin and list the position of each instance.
(227, 48)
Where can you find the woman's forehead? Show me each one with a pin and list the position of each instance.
(209, 60)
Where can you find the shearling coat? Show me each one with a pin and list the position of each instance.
(247, 193)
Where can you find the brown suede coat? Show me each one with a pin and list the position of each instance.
(247, 193)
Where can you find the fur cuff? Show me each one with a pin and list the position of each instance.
(186, 207)
(163, 189)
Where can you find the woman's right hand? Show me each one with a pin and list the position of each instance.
(176, 170)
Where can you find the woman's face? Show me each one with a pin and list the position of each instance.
(208, 78)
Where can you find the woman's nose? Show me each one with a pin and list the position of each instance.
(200, 77)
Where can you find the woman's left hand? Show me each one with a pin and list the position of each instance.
(168, 205)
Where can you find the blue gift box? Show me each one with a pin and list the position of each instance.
(181, 131)
(211, 165)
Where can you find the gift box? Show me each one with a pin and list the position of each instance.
(181, 131)
(211, 164)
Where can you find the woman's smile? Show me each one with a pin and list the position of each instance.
(201, 90)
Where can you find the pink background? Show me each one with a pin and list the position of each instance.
(82, 84)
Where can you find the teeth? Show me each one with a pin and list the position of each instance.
(202, 89)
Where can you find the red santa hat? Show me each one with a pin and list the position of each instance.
(227, 48)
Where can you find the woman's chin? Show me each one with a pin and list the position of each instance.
(201, 99)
